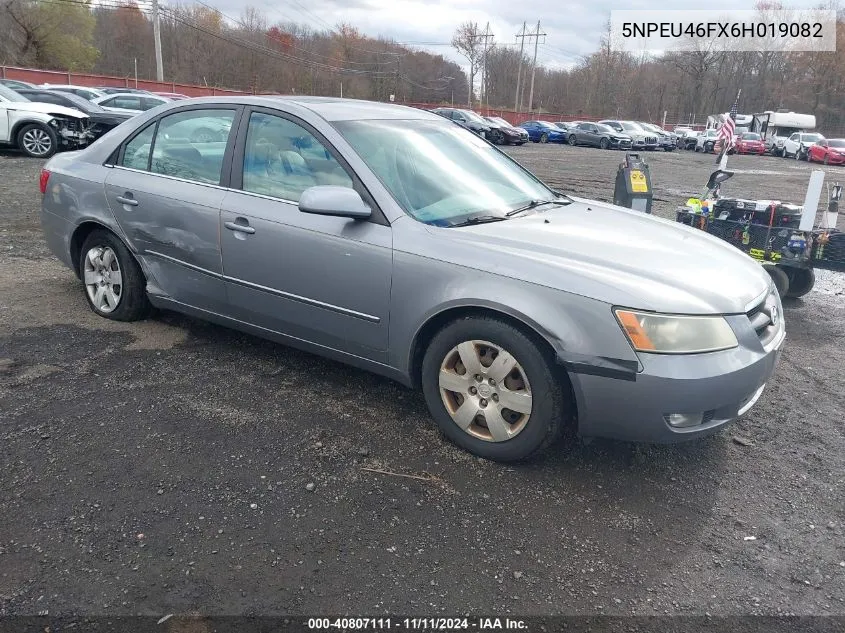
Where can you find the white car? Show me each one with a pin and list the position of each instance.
(131, 102)
(40, 129)
(707, 140)
(83, 91)
(798, 144)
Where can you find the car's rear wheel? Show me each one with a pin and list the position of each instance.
(801, 281)
(544, 138)
(604, 143)
(115, 286)
(572, 140)
(37, 140)
(492, 390)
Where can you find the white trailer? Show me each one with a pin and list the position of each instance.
(776, 126)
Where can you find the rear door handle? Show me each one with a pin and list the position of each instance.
(241, 228)
(132, 202)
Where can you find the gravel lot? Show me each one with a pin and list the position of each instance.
(174, 466)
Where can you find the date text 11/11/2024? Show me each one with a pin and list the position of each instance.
(416, 624)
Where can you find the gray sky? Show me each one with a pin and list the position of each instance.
(573, 28)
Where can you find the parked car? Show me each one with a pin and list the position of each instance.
(173, 96)
(640, 138)
(468, 119)
(687, 137)
(505, 133)
(130, 102)
(539, 312)
(39, 129)
(598, 135)
(566, 125)
(665, 140)
(828, 151)
(750, 143)
(797, 144)
(543, 132)
(111, 90)
(99, 120)
(707, 140)
(14, 84)
(85, 92)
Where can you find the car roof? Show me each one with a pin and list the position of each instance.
(327, 108)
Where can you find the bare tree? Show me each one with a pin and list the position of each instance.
(468, 42)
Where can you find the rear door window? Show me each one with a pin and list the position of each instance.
(191, 144)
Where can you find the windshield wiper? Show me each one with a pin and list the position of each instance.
(481, 219)
(537, 203)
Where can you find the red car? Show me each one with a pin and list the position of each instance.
(750, 143)
(828, 151)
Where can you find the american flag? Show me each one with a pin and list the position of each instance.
(725, 140)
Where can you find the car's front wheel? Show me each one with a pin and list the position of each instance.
(544, 138)
(115, 286)
(38, 140)
(604, 143)
(492, 390)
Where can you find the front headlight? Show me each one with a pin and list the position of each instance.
(666, 334)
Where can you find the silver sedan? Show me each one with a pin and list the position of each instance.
(393, 240)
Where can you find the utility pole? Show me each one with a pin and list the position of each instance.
(157, 41)
(521, 37)
(534, 65)
(486, 37)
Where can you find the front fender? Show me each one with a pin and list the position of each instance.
(582, 332)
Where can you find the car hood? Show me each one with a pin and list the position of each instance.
(618, 256)
(46, 108)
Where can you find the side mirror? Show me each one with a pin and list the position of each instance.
(341, 202)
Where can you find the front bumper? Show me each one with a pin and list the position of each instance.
(720, 385)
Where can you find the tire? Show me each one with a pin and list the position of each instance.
(801, 281)
(797, 154)
(549, 399)
(131, 302)
(780, 278)
(544, 138)
(37, 140)
(604, 143)
(573, 140)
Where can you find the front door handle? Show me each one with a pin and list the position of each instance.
(132, 202)
(241, 228)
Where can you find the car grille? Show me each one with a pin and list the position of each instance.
(761, 319)
(651, 140)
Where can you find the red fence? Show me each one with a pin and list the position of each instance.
(85, 79)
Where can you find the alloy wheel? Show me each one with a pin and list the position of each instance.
(37, 142)
(103, 279)
(485, 391)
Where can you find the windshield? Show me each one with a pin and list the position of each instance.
(442, 174)
(712, 132)
(81, 103)
(7, 94)
(547, 125)
(812, 138)
(836, 143)
(632, 127)
(605, 128)
(499, 121)
(751, 137)
(472, 116)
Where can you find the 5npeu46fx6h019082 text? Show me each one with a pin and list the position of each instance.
(731, 30)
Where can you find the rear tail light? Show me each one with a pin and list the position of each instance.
(42, 182)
